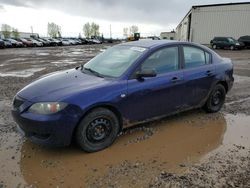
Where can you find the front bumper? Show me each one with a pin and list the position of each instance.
(50, 130)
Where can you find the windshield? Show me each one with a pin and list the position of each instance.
(232, 40)
(114, 61)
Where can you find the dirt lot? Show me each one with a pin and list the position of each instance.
(191, 149)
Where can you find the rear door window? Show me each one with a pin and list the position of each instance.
(195, 57)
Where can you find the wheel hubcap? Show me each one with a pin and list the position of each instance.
(217, 97)
(98, 129)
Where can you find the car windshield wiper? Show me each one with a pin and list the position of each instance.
(92, 71)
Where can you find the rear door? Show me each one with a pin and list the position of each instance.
(199, 75)
(158, 95)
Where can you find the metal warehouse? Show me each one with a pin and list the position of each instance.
(202, 23)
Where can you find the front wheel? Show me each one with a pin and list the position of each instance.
(216, 99)
(97, 130)
(231, 47)
(214, 46)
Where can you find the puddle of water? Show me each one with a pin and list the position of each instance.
(76, 53)
(43, 54)
(177, 140)
(22, 73)
(16, 59)
(183, 139)
(238, 130)
(56, 62)
(63, 62)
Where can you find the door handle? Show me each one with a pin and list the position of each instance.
(175, 79)
(209, 73)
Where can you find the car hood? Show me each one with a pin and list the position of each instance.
(59, 85)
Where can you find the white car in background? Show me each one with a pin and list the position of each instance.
(65, 42)
(35, 42)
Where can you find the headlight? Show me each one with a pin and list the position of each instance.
(47, 107)
(237, 44)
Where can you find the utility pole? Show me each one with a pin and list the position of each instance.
(110, 32)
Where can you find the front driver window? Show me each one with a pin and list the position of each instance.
(162, 61)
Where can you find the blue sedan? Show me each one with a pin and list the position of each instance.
(126, 84)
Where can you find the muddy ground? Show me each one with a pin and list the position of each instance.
(191, 149)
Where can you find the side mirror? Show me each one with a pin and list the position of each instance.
(146, 73)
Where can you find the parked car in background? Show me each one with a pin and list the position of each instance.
(45, 43)
(226, 43)
(78, 41)
(94, 41)
(2, 44)
(154, 38)
(89, 41)
(35, 42)
(72, 42)
(25, 42)
(58, 42)
(54, 42)
(15, 43)
(50, 42)
(245, 40)
(149, 79)
(84, 41)
(65, 42)
(7, 43)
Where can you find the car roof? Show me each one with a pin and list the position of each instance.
(154, 43)
(150, 43)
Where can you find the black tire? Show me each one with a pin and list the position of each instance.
(214, 46)
(97, 130)
(232, 48)
(216, 99)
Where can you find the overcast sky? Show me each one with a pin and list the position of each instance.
(152, 16)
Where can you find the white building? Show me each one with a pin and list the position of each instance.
(168, 35)
(202, 23)
(22, 35)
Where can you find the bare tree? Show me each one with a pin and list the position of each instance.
(95, 29)
(87, 30)
(15, 33)
(6, 30)
(91, 30)
(125, 32)
(133, 29)
(54, 30)
(59, 34)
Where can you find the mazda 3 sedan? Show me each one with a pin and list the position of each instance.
(128, 83)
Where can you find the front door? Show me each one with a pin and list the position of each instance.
(160, 95)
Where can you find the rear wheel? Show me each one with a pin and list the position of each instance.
(214, 46)
(97, 130)
(231, 47)
(216, 99)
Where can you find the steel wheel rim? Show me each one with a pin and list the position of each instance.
(217, 98)
(98, 130)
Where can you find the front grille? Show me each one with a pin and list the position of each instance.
(17, 102)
